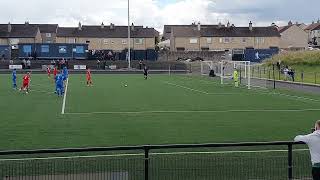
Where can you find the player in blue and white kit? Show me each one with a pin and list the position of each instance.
(65, 73)
(14, 79)
(59, 84)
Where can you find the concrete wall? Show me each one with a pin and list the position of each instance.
(116, 44)
(218, 43)
(294, 37)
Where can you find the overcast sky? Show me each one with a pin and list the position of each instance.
(156, 13)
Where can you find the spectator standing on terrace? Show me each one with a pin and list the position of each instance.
(23, 63)
(286, 72)
(313, 142)
(140, 64)
(29, 64)
(98, 64)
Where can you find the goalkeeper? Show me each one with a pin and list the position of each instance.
(236, 77)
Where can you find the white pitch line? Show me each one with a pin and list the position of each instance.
(142, 154)
(269, 93)
(196, 90)
(65, 98)
(200, 111)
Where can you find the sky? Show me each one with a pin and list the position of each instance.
(156, 13)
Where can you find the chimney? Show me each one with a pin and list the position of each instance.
(312, 22)
(219, 25)
(26, 23)
(250, 26)
(111, 26)
(232, 25)
(290, 23)
(102, 25)
(199, 26)
(9, 27)
(318, 21)
(132, 27)
(297, 22)
(228, 24)
(79, 26)
(273, 24)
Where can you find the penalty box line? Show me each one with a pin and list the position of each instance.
(293, 97)
(168, 153)
(200, 111)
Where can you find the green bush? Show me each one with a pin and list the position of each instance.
(296, 58)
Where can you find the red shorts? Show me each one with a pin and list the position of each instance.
(25, 85)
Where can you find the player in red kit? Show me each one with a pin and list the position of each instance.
(89, 79)
(55, 72)
(48, 71)
(26, 83)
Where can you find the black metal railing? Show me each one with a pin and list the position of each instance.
(232, 161)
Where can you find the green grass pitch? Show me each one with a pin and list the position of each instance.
(161, 110)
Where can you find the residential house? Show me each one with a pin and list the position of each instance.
(313, 32)
(196, 38)
(48, 32)
(13, 34)
(293, 37)
(168, 29)
(110, 37)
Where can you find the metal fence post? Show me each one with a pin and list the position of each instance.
(146, 162)
(302, 76)
(274, 78)
(290, 162)
(315, 78)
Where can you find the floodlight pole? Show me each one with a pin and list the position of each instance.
(129, 38)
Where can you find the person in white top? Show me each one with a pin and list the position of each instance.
(286, 71)
(313, 142)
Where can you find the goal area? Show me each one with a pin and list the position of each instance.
(225, 69)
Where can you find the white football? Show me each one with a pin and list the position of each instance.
(126, 85)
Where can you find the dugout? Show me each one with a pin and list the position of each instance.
(5, 52)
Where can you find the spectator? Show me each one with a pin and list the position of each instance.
(98, 64)
(23, 63)
(313, 142)
(29, 64)
(286, 73)
(140, 64)
(292, 74)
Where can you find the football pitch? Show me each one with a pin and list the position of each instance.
(161, 110)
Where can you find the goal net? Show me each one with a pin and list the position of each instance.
(209, 68)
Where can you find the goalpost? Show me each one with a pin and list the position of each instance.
(224, 69)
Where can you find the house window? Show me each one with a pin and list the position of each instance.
(45, 48)
(180, 49)
(62, 49)
(124, 41)
(260, 40)
(244, 40)
(79, 49)
(220, 40)
(204, 48)
(27, 48)
(48, 41)
(72, 40)
(106, 41)
(193, 40)
(48, 35)
(87, 41)
(209, 40)
(138, 40)
(227, 40)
